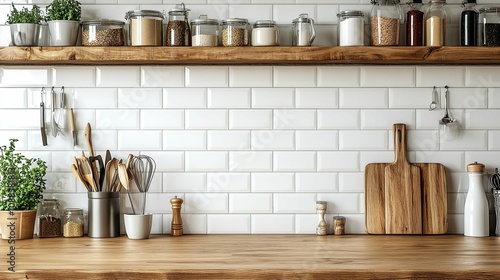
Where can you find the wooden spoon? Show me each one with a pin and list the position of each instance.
(79, 177)
(88, 139)
(87, 174)
(124, 180)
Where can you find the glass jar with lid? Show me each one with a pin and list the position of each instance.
(469, 21)
(351, 28)
(234, 32)
(49, 219)
(385, 20)
(265, 33)
(178, 31)
(205, 32)
(145, 27)
(73, 222)
(435, 23)
(489, 26)
(415, 24)
(303, 31)
(103, 33)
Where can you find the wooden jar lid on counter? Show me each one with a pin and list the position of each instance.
(475, 167)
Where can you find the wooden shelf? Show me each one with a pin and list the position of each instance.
(79, 55)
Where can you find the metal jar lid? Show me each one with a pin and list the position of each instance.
(490, 10)
(264, 23)
(350, 14)
(103, 22)
(475, 167)
(303, 18)
(203, 19)
(144, 13)
(235, 20)
(73, 211)
(179, 8)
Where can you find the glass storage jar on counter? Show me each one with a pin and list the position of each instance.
(351, 28)
(303, 31)
(435, 23)
(103, 33)
(234, 32)
(49, 219)
(145, 27)
(385, 20)
(178, 31)
(489, 26)
(265, 33)
(205, 32)
(415, 24)
(73, 222)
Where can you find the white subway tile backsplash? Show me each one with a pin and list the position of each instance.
(273, 223)
(207, 76)
(139, 98)
(74, 76)
(338, 161)
(410, 98)
(376, 76)
(184, 140)
(294, 203)
(206, 119)
(184, 98)
(251, 76)
(14, 98)
(196, 203)
(352, 182)
(184, 182)
(162, 76)
(482, 76)
(456, 203)
(34, 77)
(467, 140)
(381, 119)
(296, 76)
(419, 140)
(162, 119)
(338, 119)
(168, 161)
(494, 98)
(192, 223)
(93, 98)
(482, 119)
(118, 76)
(250, 161)
(294, 119)
(117, 119)
(206, 161)
(316, 98)
(273, 98)
(363, 140)
(363, 98)
(316, 182)
(251, 12)
(426, 119)
(228, 182)
(488, 158)
(494, 140)
(317, 139)
(294, 161)
(348, 203)
(306, 223)
(137, 139)
(251, 203)
(228, 140)
(467, 98)
(20, 119)
(228, 98)
(453, 161)
(92, 12)
(273, 182)
(339, 76)
(250, 119)
(457, 182)
(273, 140)
(439, 76)
(284, 14)
(228, 224)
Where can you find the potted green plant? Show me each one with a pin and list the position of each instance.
(21, 188)
(63, 17)
(24, 25)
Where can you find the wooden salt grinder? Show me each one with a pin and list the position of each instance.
(176, 227)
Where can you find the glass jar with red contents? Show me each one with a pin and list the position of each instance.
(415, 24)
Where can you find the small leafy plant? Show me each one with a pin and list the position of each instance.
(24, 15)
(21, 179)
(64, 10)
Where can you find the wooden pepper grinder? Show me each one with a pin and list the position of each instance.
(321, 210)
(176, 227)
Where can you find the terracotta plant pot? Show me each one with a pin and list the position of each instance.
(21, 225)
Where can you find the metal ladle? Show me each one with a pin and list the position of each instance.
(447, 119)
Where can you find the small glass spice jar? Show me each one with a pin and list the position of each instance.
(205, 32)
(49, 219)
(351, 28)
(265, 33)
(178, 31)
(234, 32)
(415, 24)
(145, 27)
(339, 225)
(73, 222)
(489, 27)
(103, 33)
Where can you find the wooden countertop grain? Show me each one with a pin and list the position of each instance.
(256, 257)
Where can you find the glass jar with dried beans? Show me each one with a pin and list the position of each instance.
(415, 24)
(145, 27)
(489, 27)
(234, 32)
(103, 33)
(385, 20)
(435, 23)
(178, 31)
(73, 222)
(49, 219)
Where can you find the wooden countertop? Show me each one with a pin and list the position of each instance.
(256, 257)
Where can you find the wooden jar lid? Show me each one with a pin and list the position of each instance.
(475, 167)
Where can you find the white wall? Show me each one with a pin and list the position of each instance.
(251, 148)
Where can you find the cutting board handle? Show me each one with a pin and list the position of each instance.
(399, 130)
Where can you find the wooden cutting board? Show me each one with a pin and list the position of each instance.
(433, 198)
(403, 200)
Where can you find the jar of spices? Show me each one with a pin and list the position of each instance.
(103, 33)
(303, 31)
(469, 21)
(205, 32)
(73, 222)
(351, 28)
(234, 32)
(415, 24)
(338, 225)
(265, 33)
(489, 26)
(385, 19)
(435, 23)
(178, 31)
(145, 27)
(49, 219)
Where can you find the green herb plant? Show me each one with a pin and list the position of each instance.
(24, 15)
(21, 179)
(64, 10)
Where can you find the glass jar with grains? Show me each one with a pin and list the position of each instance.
(205, 32)
(178, 31)
(385, 20)
(489, 26)
(73, 222)
(435, 23)
(234, 32)
(103, 33)
(145, 27)
(49, 219)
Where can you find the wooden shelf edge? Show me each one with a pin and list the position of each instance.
(79, 55)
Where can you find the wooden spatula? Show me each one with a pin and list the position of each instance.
(403, 202)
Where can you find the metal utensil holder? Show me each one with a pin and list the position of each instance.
(104, 214)
(496, 195)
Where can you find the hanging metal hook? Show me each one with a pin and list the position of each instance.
(433, 104)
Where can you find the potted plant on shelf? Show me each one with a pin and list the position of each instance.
(63, 17)
(21, 188)
(24, 25)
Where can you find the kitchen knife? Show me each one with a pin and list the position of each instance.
(73, 129)
(42, 123)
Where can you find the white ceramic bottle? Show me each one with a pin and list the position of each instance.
(476, 211)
